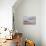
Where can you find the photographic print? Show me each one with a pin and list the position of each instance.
(29, 20)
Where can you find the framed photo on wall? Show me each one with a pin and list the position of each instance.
(29, 20)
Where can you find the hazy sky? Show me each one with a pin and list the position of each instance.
(6, 13)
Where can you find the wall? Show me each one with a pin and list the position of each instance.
(43, 22)
(26, 29)
(29, 8)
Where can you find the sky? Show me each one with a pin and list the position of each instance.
(6, 13)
